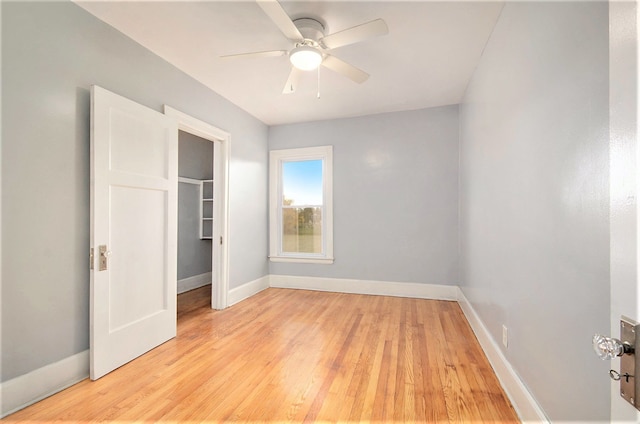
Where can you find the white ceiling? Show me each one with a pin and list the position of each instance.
(426, 60)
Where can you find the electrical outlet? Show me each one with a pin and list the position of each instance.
(505, 336)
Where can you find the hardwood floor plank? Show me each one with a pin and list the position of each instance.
(440, 404)
(400, 358)
(293, 356)
(361, 409)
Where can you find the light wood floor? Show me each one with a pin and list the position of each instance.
(294, 356)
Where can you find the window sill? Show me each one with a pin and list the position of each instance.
(298, 260)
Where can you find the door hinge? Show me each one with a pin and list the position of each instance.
(220, 239)
(91, 258)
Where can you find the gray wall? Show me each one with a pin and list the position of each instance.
(535, 199)
(51, 54)
(195, 161)
(195, 157)
(395, 188)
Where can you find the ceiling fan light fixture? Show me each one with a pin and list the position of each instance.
(305, 58)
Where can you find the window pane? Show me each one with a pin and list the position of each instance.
(302, 183)
(302, 230)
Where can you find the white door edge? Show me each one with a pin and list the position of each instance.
(220, 251)
(624, 212)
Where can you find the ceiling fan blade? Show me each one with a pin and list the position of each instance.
(270, 53)
(355, 34)
(342, 67)
(292, 82)
(274, 10)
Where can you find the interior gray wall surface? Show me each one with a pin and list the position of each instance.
(535, 199)
(195, 161)
(51, 53)
(395, 188)
(195, 157)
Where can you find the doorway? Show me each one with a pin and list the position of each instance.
(195, 212)
(215, 228)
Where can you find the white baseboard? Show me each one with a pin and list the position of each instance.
(380, 288)
(194, 282)
(523, 402)
(36, 385)
(247, 290)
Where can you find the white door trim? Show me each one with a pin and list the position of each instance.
(220, 252)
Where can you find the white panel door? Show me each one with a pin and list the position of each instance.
(134, 171)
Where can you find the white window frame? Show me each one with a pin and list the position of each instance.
(276, 159)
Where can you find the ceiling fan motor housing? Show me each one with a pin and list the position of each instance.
(311, 29)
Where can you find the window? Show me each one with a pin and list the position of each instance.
(301, 205)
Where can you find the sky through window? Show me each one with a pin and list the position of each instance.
(302, 182)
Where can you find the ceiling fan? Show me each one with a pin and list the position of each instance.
(310, 44)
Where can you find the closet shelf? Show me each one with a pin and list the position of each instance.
(206, 208)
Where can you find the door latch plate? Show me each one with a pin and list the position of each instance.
(102, 257)
(630, 386)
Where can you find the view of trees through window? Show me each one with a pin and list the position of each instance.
(302, 206)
